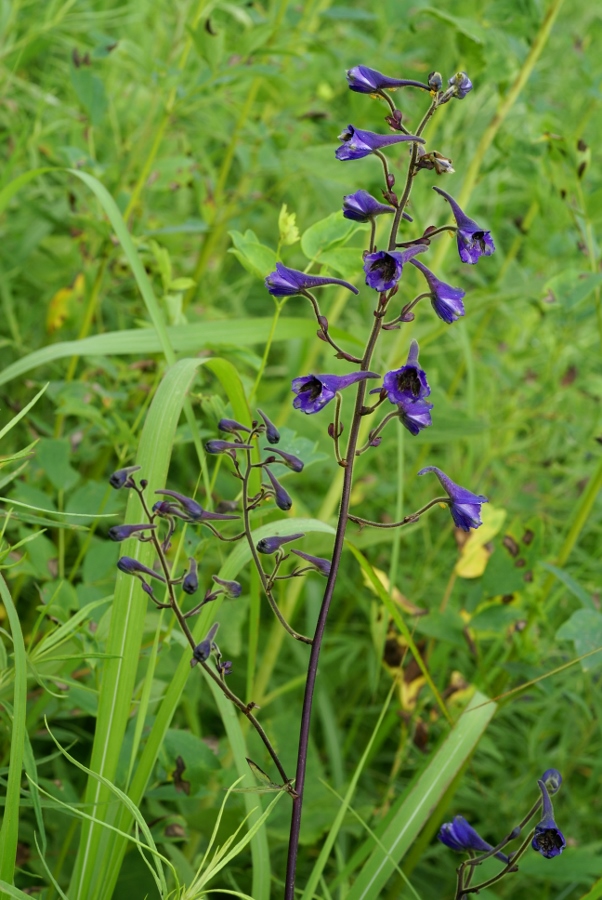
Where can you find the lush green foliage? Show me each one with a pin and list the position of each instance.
(191, 124)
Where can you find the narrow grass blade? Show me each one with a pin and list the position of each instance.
(21, 413)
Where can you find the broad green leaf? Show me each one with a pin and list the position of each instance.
(326, 234)
(256, 258)
(584, 629)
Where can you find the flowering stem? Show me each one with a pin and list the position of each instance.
(374, 434)
(428, 235)
(509, 867)
(323, 331)
(383, 160)
(336, 429)
(408, 520)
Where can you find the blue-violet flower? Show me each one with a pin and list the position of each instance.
(445, 299)
(285, 282)
(552, 780)
(368, 81)
(409, 382)
(357, 144)
(473, 240)
(465, 506)
(362, 207)
(384, 267)
(415, 415)
(460, 836)
(548, 838)
(315, 391)
(461, 84)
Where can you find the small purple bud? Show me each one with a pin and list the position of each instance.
(122, 477)
(323, 323)
(232, 426)
(290, 461)
(148, 590)
(271, 544)
(282, 498)
(123, 532)
(192, 511)
(435, 81)
(225, 668)
(202, 651)
(190, 584)
(232, 588)
(225, 446)
(322, 565)
(552, 780)
(390, 181)
(271, 432)
(132, 567)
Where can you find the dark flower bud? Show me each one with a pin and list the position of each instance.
(232, 588)
(191, 510)
(225, 668)
(322, 565)
(460, 836)
(282, 498)
(148, 590)
(132, 567)
(271, 432)
(122, 477)
(190, 584)
(202, 651)
(435, 81)
(390, 181)
(225, 446)
(271, 544)
(232, 426)
(547, 839)
(376, 442)
(290, 461)
(552, 780)
(321, 336)
(123, 532)
(323, 321)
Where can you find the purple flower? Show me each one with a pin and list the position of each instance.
(465, 506)
(288, 460)
(383, 269)
(286, 282)
(473, 241)
(548, 838)
(231, 426)
(460, 836)
(409, 382)
(445, 299)
(357, 144)
(217, 446)
(322, 565)
(368, 81)
(415, 415)
(315, 391)
(461, 84)
(123, 532)
(271, 432)
(132, 567)
(271, 544)
(202, 651)
(552, 780)
(232, 588)
(362, 207)
(282, 498)
(121, 478)
(190, 583)
(190, 510)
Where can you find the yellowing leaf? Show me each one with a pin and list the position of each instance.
(396, 595)
(61, 304)
(287, 226)
(474, 554)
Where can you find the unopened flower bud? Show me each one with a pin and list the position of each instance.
(552, 780)
(435, 81)
(323, 323)
(271, 432)
(461, 84)
(231, 426)
(390, 181)
(232, 588)
(131, 566)
(123, 532)
(290, 461)
(271, 544)
(218, 446)
(190, 510)
(122, 477)
(190, 584)
(322, 565)
(202, 651)
(282, 498)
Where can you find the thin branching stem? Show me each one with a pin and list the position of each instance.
(408, 520)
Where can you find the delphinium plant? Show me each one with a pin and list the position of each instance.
(402, 393)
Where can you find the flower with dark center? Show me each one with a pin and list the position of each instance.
(123, 532)
(322, 565)
(271, 544)
(445, 299)
(132, 567)
(288, 460)
(232, 588)
(285, 282)
(202, 651)
(461, 84)
(231, 426)
(384, 267)
(271, 432)
(409, 382)
(460, 836)
(552, 780)
(191, 510)
(548, 838)
(363, 207)
(368, 81)
(315, 391)
(282, 498)
(190, 582)
(217, 446)
(473, 240)
(465, 506)
(357, 144)
(415, 415)
(122, 477)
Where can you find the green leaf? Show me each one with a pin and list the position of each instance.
(327, 233)
(256, 258)
(90, 93)
(584, 629)
(569, 582)
(53, 454)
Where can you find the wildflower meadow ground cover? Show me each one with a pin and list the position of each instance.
(301, 463)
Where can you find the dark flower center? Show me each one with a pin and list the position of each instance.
(549, 840)
(409, 381)
(385, 266)
(313, 388)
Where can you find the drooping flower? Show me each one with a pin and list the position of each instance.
(271, 544)
(288, 460)
(384, 267)
(232, 588)
(122, 477)
(131, 566)
(409, 382)
(189, 510)
(460, 836)
(217, 446)
(461, 84)
(548, 838)
(322, 565)
(415, 415)
(202, 651)
(473, 240)
(271, 432)
(282, 498)
(285, 282)
(231, 426)
(465, 506)
(357, 143)
(123, 532)
(362, 207)
(445, 299)
(190, 582)
(315, 391)
(368, 81)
